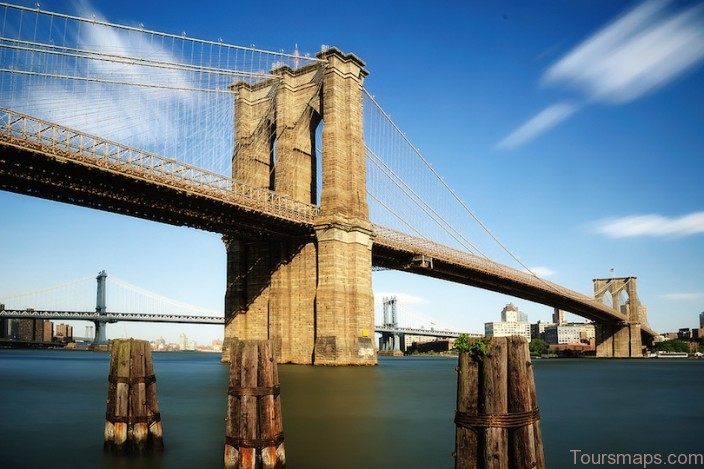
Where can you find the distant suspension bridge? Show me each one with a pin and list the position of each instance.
(71, 302)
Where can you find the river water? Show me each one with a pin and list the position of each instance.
(395, 415)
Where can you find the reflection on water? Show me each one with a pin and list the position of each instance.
(398, 414)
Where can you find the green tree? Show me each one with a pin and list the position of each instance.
(538, 347)
(674, 345)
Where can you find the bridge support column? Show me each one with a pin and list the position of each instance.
(100, 336)
(271, 282)
(271, 296)
(312, 297)
(620, 340)
(344, 300)
(345, 304)
(604, 340)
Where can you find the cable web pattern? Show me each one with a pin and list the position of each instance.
(162, 93)
(406, 194)
(121, 297)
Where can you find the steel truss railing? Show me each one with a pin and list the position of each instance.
(110, 317)
(31, 133)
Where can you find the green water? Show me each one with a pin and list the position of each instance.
(396, 415)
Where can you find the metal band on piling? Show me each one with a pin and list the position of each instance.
(510, 420)
(255, 442)
(254, 391)
(132, 380)
(149, 419)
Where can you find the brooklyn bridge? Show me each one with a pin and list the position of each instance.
(288, 157)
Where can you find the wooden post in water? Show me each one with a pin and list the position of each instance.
(132, 420)
(497, 418)
(253, 432)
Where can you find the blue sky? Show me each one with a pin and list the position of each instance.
(573, 130)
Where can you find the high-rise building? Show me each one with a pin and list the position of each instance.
(38, 332)
(513, 322)
(48, 331)
(26, 330)
(182, 342)
(511, 313)
(10, 328)
(558, 316)
(701, 319)
(64, 333)
(4, 328)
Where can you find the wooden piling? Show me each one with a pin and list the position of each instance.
(497, 415)
(132, 419)
(253, 432)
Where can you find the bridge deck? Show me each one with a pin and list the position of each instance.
(36, 155)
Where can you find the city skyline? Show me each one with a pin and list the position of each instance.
(573, 131)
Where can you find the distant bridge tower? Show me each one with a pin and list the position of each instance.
(312, 295)
(620, 339)
(100, 308)
(390, 341)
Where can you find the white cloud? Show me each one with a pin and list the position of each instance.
(642, 51)
(682, 296)
(652, 225)
(543, 121)
(542, 271)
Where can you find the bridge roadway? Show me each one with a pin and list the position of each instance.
(36, 156)
(108, 317)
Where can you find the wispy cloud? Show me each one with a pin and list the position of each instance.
(652, 225)
(682, 296)
(643, 50)
(542, 271)
(545, 120)
(638, 53)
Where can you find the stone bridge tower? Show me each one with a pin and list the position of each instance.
(312, 295)
(620, 340)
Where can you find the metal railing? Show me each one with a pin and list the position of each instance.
(28, 132)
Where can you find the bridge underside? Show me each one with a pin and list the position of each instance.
(384, 256)
(42, 175)
(618, 337)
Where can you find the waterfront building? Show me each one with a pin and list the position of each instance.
(48, 331)
(507, 329)
(569, 333)
(537, 330)
(160, 344)
(513, 322)
(26, 330)
(64, 333)
(182, 342)
(5, 328)
(38, 331)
